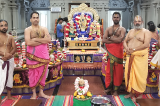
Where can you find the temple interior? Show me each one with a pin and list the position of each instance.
(82, 54)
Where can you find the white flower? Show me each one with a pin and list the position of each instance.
(52, 57)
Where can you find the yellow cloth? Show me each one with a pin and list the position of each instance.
(138, 71)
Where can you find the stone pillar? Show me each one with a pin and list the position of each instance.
(130, 21)
(52, 23)
(143, 15)
(14, 16)
(103, 17)
(52, 20)
(155, 12)
(17, 11)
(23, 19)
(138, 8)
(2, 10)
(158, 15)
(105, 21)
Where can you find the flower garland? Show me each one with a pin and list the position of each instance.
(78, 89)
(67, 29)
(58, 54)
(77, 26)
(150, 56)
(98, 29)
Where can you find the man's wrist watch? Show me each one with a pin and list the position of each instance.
(134, 49)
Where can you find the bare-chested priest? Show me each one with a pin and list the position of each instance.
(136, 44)
(7, 50)
(113, 38)
(37, 38)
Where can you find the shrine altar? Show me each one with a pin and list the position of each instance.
(21, 81)
(83, 33)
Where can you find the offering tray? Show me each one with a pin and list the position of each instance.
(101, 101)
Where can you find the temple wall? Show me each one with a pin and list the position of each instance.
(101, 6)
(17, 13)
(150, 11)
(13, 12)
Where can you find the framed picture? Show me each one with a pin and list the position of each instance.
(75, 5)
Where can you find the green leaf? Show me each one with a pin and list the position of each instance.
(157, 47)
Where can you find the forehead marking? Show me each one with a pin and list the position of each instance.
(137, 18)
(116, 15)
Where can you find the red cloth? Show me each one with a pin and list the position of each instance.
(117, 51)
(64, 30)
(81, 87)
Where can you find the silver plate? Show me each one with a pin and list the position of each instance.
(100, 100)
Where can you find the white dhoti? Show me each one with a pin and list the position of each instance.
(6, 74)
(156, 60)
(156, 63)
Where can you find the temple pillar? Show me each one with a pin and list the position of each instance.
(14, 13)
(158, 15)
(155, 12)
(23, 19)
(15, 17)
(106, 18)
(103, 16)
(2, 9)
(144, 15)
(52, 25)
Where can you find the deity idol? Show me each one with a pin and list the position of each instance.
(94, 30)
(83, 22)
(71, 29)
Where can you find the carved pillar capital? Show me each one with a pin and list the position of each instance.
(143, 7)
(158, 8)
(13, 5)
(2, 5)
(154, 4)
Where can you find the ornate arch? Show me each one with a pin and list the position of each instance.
(83, 8)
